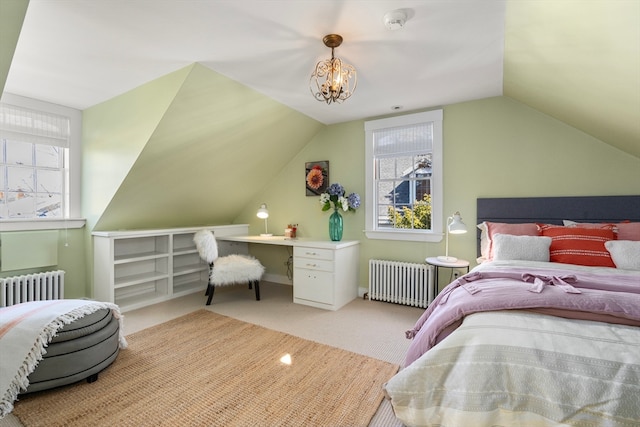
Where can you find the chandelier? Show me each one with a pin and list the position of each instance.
(333, 80)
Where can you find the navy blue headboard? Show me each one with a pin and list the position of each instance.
(552, 210)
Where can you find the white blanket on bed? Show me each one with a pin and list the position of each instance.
(513, 368)
(25, 331)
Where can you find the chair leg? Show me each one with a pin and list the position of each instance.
(212, 288)
(257, 284)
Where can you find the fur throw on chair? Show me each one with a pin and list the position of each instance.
(232, 269)
(207, 246)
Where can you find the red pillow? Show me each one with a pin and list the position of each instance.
(627, 230)
(581, 246)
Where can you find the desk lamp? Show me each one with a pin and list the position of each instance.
(454, 226)
(263, 213)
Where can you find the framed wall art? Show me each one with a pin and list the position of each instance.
(316, 177)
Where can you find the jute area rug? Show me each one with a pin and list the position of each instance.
(205, 369)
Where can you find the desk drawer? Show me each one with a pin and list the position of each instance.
(314, 286)
(313, 253)
(313, 264)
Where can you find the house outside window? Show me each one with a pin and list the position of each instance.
(39, 165)
(404, 177)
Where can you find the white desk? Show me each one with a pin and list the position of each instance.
(325, 273)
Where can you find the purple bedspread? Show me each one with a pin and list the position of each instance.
(612, 297)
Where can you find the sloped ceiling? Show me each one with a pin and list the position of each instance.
(11, 17)
(578, 61)
(216, 146)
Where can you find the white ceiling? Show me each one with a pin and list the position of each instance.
(79, 53)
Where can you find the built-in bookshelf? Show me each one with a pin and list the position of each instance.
(135, 268)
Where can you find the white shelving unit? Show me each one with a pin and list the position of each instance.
(142, 267)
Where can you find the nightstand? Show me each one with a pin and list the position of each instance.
(437, 264)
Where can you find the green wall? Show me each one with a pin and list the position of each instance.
(499, 147)
(71, 251)
(343, 146)
(494, 147)
(186, 149)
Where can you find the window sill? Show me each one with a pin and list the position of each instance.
(411, 236)
(40, 224)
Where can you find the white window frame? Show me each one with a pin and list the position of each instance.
(372, 231)
(72, 217)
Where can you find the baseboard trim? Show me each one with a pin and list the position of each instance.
(277, 278)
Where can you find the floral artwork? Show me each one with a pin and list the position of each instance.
(316, 177)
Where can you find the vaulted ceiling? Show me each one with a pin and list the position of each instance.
(576, 61)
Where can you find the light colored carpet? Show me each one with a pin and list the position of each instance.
(371, 328)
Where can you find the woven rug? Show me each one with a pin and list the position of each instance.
(205, 369)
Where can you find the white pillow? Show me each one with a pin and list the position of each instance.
(523, 248)
(625, 253)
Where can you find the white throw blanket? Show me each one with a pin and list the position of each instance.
(517, 368)
(25, 331)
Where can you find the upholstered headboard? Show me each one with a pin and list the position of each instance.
(552, 210)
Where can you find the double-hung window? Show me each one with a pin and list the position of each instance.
(35, 159)
(404, 177)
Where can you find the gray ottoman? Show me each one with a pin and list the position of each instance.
(80, 351)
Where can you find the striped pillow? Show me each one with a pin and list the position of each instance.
(582, 246)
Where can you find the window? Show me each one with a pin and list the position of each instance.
(33, 163)
(37, 180)
(404, 177)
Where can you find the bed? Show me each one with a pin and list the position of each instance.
(545, 331)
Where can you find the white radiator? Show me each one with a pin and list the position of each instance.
(400, 282)
(31, 287)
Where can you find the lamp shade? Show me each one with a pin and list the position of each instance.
(456, 226)
(263, 212)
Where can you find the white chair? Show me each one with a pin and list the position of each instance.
(227, 270)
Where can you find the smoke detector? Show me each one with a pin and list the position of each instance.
(395, 19)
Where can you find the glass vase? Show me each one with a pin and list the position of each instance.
(335, 226)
